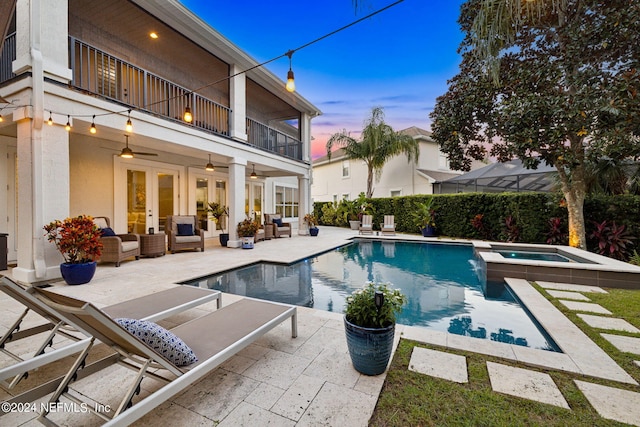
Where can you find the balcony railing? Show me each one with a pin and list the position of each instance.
(8, 56)
(269, 139)
(100, 73)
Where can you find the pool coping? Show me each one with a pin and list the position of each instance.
(580, 355)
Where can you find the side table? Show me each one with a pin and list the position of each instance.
(152, 245)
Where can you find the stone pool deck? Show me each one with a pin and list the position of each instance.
(309, 380)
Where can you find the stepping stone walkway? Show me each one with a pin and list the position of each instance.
(572, 287)
(568, 295)
(524, 383)
(609, 323)
(622, 343)
(612, 403)
(585, 306)
(439, 364)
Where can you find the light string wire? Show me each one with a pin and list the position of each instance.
(262, 64)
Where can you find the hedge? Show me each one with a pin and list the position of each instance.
(530, 213)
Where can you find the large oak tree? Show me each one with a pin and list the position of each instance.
(552, 81)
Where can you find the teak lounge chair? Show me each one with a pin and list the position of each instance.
(367, 224)
(388, 226)
(214, 338)
(153, 307)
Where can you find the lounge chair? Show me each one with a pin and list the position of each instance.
(388, 226)
(279, 228)
(153, 307)
(214, 338)
(367, 224)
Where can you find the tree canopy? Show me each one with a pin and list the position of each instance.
(555, 82)
(378, 143)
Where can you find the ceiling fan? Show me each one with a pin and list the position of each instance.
(128, 153)
(210, 167)
(254, 175)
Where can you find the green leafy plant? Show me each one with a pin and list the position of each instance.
(635, 258)
(217, 211)
(77, 239)
(483, 229)
(424, 215)
(361, 307)
(329, 214)
(248, 228)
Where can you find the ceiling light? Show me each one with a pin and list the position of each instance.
(253, 174)
(153, 35)
(67, 127)
(209, 167)
(50, 121)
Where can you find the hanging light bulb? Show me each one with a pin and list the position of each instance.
(254, 175)
(93, 129)
(188, 117)
(209, 167)
(67, 127)
(129, 126)
(50, 121)
(291, 84)
(1, 118)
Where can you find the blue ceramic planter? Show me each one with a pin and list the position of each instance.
(369, 348)
(314, 231)
(78, 274)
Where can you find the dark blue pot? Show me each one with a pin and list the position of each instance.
(428, 231)
(78, 274)
(369, 348)
(314, 231)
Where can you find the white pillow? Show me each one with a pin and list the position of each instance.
(161, 340)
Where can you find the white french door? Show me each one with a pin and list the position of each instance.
(203, 189)
(152, 193)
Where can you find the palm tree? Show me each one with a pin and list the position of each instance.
(378, 143)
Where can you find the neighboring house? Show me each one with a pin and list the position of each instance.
(90, 61)
(340, 177)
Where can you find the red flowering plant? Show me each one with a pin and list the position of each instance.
(77, 239)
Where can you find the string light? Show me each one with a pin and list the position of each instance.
(188, 116)
(93, 129)
(1, 118)
(291, 84)
(129, 126)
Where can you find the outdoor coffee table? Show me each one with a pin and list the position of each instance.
(152, 245)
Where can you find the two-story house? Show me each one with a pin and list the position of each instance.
(75, 73)
(340, 177)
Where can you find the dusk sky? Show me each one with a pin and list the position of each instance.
(399, 59)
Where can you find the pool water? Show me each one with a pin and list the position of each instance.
(445, 288)
(534, 256)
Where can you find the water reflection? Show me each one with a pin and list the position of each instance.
(444, 285)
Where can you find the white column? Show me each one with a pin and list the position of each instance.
(238, 100)
(304, 204)
(305, 137)
(237, 180)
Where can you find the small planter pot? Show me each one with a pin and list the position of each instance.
(369, 348)
(247, 242)
(224, 239)
(355, 225)
(78, 274)
(429, 231)
(314, 231)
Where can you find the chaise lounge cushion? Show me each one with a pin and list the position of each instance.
(161, 340)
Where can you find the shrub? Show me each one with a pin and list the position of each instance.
(613, 241)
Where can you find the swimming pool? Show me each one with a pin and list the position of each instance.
(445, 288)
(535, 256)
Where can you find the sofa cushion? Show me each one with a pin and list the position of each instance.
(100, 223)
(161, 340)
(185, 229)
(277, 222)
(108, 232)
(129, 246)
(188, 239)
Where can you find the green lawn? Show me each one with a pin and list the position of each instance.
(412, 399)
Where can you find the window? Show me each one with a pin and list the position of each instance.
(345, 168)
(396, 193)
(443, 162)
(345, 196)
(287, 201)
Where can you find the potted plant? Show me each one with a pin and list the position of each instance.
(78, 240)
(247, 229)
(217, 212)
(370, 320)
(425, 218)
(312, 223)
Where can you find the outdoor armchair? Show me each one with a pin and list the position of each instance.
(116, 247)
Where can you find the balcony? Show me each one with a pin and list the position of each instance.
(102, 74)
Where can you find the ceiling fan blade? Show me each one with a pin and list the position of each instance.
(144, 154)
